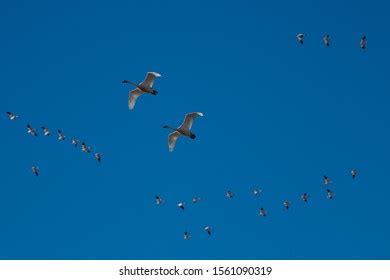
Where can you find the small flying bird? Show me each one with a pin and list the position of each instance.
(159, 200)
(183, 130)
(286, 204)
(229, 194)
(354, 173)
(181, 205)
(75, 142)
(61, 136)
(31, 130)
(98, 157)
(363, 42)
(145, 87)
(85, 148)
(46, 131)
(195, 199)
(327, 181)
(326, 40)
(300, 38)
(305, 197)
(262, 212)
(256, 192)
(208, 230)
(186, 235)
(329, 194)
(12, 116)
(35, 170)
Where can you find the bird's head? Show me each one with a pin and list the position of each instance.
(125, 82)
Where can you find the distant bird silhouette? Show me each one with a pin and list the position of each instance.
(85, 148)
(327, 181)
(286, 204)
(159, 200)
(46, 131)
(300, 38)
(326, 40)
(186, 235)
(31, 130)
(98, 157)
(363, 42)
(61, 136)
(181, 205)
(12, 116)
(354, 173)
(262, 212)
(329, 194)
(305, 197)
(256, 192)
(229, 194)
(195, 199)
(145, 87)
(35, 170)
(183, 130)
(208, 230)
(75, 142)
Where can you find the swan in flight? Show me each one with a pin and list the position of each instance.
(31, 130)
(12, 116)
(262, 212)
(145, 87)
(229, 194)
(329, 194)
(354, 173)
(327, 181)
(85, 148)
(363, 42)
(46, 131)
(305, 197)
(184, 129)
(195, 199)
(61, 136)
(208, 230)
(286, 204)
(327, 40)
(35, 170)
(186, 235)
(256, 192)
(98, 157)
(75, 142)
(300, 38)
(159, 200)
(181, 205)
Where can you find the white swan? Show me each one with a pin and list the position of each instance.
(12, 116)
(35, 170)
(184, 129)
(46, 131)
(145, 87)
(286, 204)
(363, 42)
(327, 40)
(85, 148)
(61, 136)
(354, 173)
(31, 130)
(208, 230)
(262, 212)
(300, 38)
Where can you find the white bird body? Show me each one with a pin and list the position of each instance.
(208, 230)
(46, 131)
(98, 157)
(85, 148)
(363, 42)
(186, 235)
(300, 38)
(286, 204)
(329, 194)
(183, 130)
(145, 87)
(354, 173)
(12, 116)
(262, 212)
(75, 142)
(31, 130)
(159, 200)
(61, 136)
(327, 40)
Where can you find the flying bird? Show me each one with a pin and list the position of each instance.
(35, 170)
(186, 235)
(183, 130)
(195, 199)
(61, 136)
(305, 197)
(329, 194)
(326, 40)
(363, 42)
(31, 130)
(354, 173)
(181, 205)
(85, 148)
(286, 204)
(262, 212)
(208, 230)
(300, 38)
(75, 142)
(327, 181)
(256, 192)
(229, 194)
(12, 116)
(98, 157)
(145, 87)
(46, 131)
(159, 200)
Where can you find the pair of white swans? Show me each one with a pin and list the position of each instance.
(147, 87)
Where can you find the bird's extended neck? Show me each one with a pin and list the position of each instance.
(129, 82)
(169, 127)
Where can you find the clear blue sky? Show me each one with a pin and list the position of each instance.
(278, 115)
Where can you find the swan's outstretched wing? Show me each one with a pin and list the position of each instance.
(172, 140)
(149, 79)
(133, 95)
(189, 119)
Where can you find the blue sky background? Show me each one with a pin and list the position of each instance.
(278, 115)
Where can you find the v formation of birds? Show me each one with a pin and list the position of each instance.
(183, 130)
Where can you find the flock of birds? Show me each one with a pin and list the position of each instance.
(327, 39)
(60, 136)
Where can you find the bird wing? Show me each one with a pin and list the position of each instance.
(149, 79)
(172, 140)
(189, 119)
(133, 95)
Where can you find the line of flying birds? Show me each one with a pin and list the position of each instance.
(256, 192)
(327, 40)
(60, 136)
